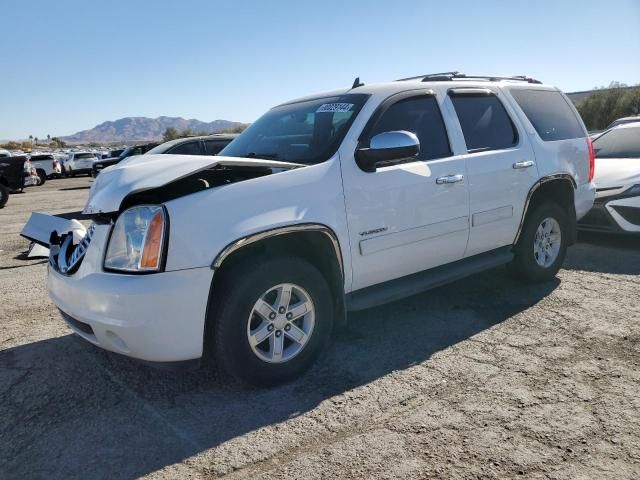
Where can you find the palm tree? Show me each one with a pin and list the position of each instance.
(31, 138)
(48, 138)
(36, 139)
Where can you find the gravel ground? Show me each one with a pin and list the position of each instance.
(484, 378)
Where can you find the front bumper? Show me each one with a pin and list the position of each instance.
(613, 214)
(156, 317)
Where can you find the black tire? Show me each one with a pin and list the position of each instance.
(43, 175)
(524, 266)
(4, 195)
(240, 290)
(71, 172)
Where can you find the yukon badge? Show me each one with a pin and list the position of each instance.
(375, 230)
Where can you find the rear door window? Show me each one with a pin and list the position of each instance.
(484, 121)
(213, 147)
(549, 113)
(187, 148)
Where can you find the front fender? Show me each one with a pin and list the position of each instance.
(204, 224)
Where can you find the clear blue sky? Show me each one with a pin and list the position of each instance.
(69, 65)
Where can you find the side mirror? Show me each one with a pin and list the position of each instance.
(387, 147)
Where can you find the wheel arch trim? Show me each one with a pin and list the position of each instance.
(557, 177)
(276, 232)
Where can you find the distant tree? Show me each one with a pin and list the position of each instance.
(237, 129)
(36, 140)
(170, 133)
(58, 143)
(31, 138)
(48, 138)
(603, 107)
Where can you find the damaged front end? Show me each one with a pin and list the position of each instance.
(63, 240)
(145, 183)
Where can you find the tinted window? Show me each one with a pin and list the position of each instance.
(213, 147)
(618, 143)
(485, 123)
(419, 115)
(84, 155)
(188, 148)
(549, 113)
(306, 132)
(35, 158)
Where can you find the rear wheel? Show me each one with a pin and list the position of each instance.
(43, 176)
(4, 195)
(543, 243)
(271, 320)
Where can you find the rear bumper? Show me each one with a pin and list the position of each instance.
(157, 317)
(584, 198)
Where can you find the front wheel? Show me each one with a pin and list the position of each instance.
(43, 176)
(271, 320)
(542, 246)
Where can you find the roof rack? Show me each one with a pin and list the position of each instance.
(450, 76)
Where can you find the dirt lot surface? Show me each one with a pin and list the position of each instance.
(484, 378)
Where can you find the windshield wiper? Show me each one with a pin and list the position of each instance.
(265, 156)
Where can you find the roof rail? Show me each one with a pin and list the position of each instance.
(450, 76)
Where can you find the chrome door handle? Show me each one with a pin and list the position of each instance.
(523, 164)
(449, 179)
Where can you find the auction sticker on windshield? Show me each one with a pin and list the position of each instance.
(334, 107)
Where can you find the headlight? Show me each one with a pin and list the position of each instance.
(137, 240)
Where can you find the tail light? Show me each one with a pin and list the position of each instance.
(592, 159)
(54, 164)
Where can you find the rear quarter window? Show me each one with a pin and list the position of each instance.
(549, 113)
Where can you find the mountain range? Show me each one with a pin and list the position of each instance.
(130, 129)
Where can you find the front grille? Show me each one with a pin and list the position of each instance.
(77, 324)
(630, 214)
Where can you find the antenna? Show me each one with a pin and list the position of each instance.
(357, 83)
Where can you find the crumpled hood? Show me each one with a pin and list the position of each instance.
(151, 171)
(616, 172)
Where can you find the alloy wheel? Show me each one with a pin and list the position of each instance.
(281, 323)
(547, 241)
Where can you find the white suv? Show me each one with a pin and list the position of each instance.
(334, 202)
(79, 163)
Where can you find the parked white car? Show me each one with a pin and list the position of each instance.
(46, 165)
(335, 202)
(4, 153)
(78, 163)
(617, 205)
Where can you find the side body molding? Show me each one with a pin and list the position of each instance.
(301, 227)
(565, 177)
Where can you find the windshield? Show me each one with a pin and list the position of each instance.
(619, 143)
(84, 155)
(307, 132)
